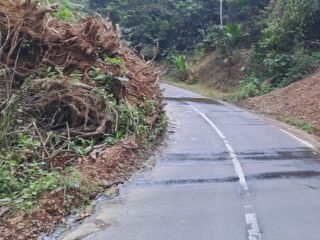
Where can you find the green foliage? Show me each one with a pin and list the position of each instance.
(173, 24)
(158, 128)
(64, 14)
(181, 64)
(183, 71)
(22, 179)
(234, 33)
(277, 66)
(113, 139)
(65, 9)
(289, 45)
(132, 120)
(6, 120)
(199, 53)
(224, 38)
(81, 146)
(99, 76)
(249, 88)
(114, 61)
(129, 119)
(285, 23)
(308, 127)
(69, 10)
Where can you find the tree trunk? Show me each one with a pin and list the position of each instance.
(221, 12)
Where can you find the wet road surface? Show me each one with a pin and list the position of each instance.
(224, 174)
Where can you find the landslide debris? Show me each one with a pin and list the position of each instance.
(71, 95)
(299, 101)
(57, 61)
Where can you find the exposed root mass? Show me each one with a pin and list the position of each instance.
(65, 87)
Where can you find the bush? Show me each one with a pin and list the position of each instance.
(249, 88)
(182, 67)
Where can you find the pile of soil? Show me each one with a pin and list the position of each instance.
(33, 42)
(213, 70)
(57, 79)
(298, 101)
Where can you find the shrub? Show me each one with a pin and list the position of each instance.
(182, 67)
(249, 88)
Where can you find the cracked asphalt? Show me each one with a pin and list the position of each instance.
(224, 174)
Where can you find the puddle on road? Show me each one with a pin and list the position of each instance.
(196, 100)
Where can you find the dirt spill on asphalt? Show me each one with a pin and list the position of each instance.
(196, 100)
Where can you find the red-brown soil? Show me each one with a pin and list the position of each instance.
(107, 166)
(298, 101)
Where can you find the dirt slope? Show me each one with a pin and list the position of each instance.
(299, 101)
(213, 70)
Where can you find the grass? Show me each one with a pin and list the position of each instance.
(205, 90)
(306, 126)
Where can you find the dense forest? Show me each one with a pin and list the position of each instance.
(282, 36)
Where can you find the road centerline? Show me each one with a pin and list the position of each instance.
(253, 228)
(235, 160)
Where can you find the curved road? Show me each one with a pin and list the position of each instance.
(223, 175)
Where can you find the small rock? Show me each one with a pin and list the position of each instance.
(20, 226)
(86, 212)
(111, 192)
(3, 210)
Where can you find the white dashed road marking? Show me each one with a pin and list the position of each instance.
(235, 160)
(253, 227)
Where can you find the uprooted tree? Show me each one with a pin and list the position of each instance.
(59, 76)
(64, 87)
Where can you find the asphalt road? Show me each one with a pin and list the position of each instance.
(224, 174)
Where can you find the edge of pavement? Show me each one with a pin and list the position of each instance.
(310, 140)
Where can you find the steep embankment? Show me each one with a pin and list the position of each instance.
(299, 101)
(213, 70)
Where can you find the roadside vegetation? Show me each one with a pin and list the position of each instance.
(77, 106)
(267, 44)
(205, 90)
(306, 126)
(280, 38)
(288, 48)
